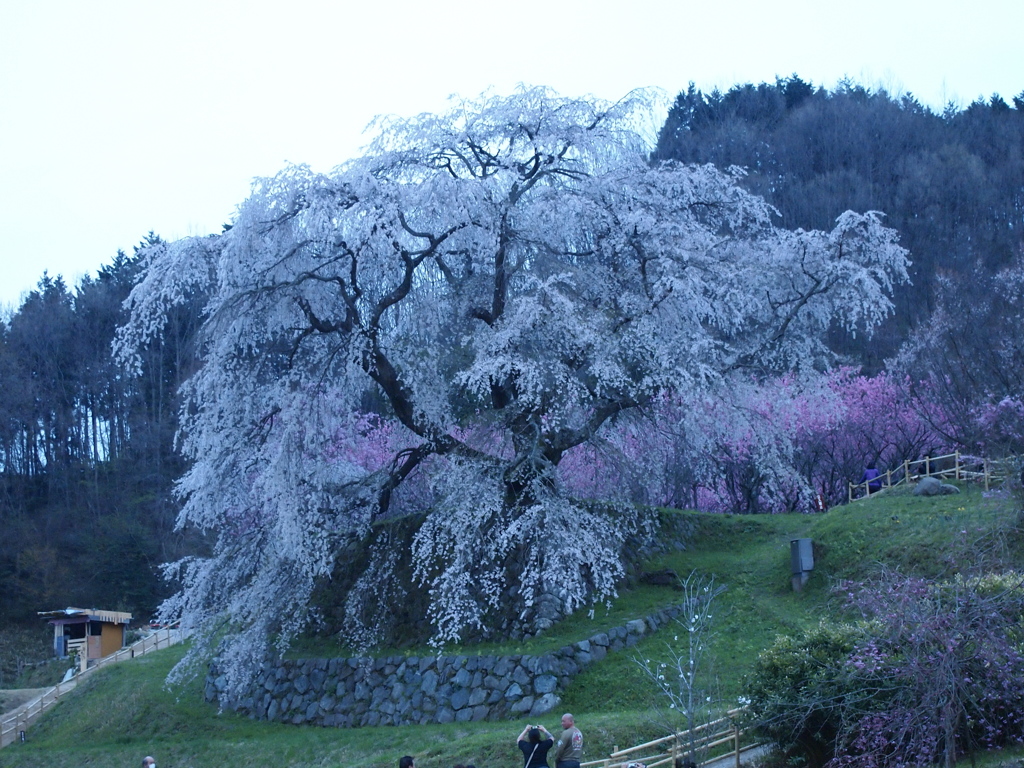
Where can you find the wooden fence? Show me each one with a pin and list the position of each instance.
(709, 739)
(952, 466)
(14, 724)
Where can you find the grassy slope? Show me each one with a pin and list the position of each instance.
(125, 712)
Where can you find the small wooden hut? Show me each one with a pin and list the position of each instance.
(87, 632)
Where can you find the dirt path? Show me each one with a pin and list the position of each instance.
(747, 756)
(12, 698)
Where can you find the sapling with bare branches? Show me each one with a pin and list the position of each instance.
(684, 675)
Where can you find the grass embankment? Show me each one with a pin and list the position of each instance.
(124, 713)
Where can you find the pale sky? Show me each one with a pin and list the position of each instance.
(121, 117)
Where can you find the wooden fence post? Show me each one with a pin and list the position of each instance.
(736, 731)
(956, 465)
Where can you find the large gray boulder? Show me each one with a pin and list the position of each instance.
(932, 486)
(544, 704)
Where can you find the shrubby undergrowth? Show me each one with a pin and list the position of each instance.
(929, 672)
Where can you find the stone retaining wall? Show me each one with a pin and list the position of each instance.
(400, 690)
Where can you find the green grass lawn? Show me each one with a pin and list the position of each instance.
(125, 712)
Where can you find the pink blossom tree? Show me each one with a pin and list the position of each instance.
(770, 446)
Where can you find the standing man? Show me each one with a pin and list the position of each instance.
(569, 750)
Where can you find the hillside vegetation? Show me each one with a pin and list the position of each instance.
(125, 712)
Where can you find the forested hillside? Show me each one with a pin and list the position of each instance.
(951, 183)
(87, 451)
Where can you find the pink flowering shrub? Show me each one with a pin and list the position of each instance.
(772, 447)
(930, 672)
(878, 419)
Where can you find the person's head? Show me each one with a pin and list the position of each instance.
(149, 762)
(567, 721)
(534, 735)
(406, 762)
(871, 465)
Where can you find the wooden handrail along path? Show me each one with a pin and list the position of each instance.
(666, 750)
(984, 471)
(15, 723)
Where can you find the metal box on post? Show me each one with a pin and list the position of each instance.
(801, 561)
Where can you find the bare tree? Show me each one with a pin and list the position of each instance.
(684, 674)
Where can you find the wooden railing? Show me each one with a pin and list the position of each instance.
(14, 724)
(952, 466)
(708, 739)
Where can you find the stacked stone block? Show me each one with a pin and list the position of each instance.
(400, 690)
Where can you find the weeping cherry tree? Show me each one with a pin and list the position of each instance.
(502, 281)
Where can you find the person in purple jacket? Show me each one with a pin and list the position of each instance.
(872, 478)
